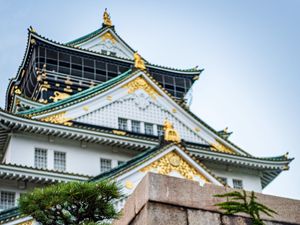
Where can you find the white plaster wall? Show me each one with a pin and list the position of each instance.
(78, 159)
(251, 178)
(13, 186)
(139, 107)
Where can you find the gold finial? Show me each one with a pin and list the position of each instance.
(32, 29)
(138, 61)
(170, 133)
(226, 130)
(106, 18)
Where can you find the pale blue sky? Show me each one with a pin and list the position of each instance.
(250, 52)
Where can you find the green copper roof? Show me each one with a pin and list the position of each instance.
(80, 96)
(8, 214)
(86, 37)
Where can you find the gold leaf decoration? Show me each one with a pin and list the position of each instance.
(217, 146)
(174, 162)
(108, 36)
(170, 133)
(141, 83)
(58, 118)
(59, 96)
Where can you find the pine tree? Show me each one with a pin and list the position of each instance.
(72, 203)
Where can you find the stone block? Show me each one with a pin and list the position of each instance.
(235, 220)
(141, 218)
(161, 214)
(200, 217)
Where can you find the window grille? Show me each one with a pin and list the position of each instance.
(160, 130)
(60, 161)
(7, 200)
(238, 184)
(149, 128)
(105, 165)
(135, 126)
(40, 158)
(122, 124)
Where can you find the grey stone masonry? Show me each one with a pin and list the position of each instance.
(160, 200)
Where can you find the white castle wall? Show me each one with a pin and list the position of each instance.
(78, 159)
(250, 177)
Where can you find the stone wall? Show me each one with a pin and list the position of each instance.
(161, 200)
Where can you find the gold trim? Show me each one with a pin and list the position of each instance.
(217, 146)
(174, 162)
(197, 129)
(30, 222)
(141, 83)
(109, 98)
(59, 96)
(58, 118)
(129, 184)
(119, 132)
(85, 108)
(108, 36)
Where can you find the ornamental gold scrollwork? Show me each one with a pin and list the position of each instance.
(173, 162)
(108, 36)
(59, 96)
(58, 118)
(217, 146)
(140, 83)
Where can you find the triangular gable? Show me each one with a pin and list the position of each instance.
(172, 160)
(144, 96)
(106, 41)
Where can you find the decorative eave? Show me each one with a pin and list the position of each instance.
(91, 134)
(34, 175)
(245, 161)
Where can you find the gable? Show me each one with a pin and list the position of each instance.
(109, 43)
(170, 160)
(135, 97)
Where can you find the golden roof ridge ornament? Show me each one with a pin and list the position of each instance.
(170, 133)
(138, 61)
(106, 18)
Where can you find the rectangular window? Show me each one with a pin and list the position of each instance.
(60, 161)
(135, 126)
(160, 130)
(122, 124)
(238, 184)
(224, 179)
(7, 200)
(40, 158)
(149, 128)
(105, 165)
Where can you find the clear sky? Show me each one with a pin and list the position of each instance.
(250, 51)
